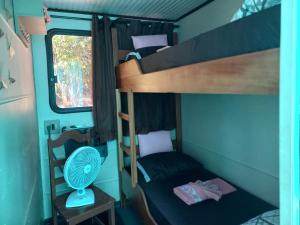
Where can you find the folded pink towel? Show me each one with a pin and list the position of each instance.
(198, 191)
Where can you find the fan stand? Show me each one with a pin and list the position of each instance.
(80, 197)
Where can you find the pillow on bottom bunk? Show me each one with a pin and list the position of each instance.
(154, 142)
(163, 165)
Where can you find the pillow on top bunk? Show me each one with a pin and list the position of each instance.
(148, 44)
(153, 142)
(252, 6)
(166, 164)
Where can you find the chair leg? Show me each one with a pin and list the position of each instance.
(54, 214)
(111, 216)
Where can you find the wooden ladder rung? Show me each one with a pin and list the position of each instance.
(60, 180)
(59, 162)
(127, 150)
(124, 116)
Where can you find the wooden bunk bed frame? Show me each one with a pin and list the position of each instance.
(250, 74)
(254, 73)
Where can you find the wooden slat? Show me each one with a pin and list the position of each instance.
(132, 138)
(59, 162)
(126, 149)
(120, 151)
(120, 131)
(128, 69)
(70, 135)
(253, 73)
(124, 116)
(60, 180)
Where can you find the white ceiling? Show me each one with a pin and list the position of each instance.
(159, 9)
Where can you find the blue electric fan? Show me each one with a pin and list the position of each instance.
(80, 170)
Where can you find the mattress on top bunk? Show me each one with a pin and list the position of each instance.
(167, 209)
(260, 31)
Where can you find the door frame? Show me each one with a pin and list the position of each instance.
(289, 112)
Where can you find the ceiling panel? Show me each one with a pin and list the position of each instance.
(159, 9)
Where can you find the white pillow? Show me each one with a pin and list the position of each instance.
(149, 41)
(154, 142)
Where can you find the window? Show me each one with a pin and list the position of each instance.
(69, 70)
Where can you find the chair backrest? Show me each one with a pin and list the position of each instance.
(59, 163)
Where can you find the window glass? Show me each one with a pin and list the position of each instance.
(71, 72)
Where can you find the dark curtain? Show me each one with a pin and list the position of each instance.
(127, 28)
(152, 111)
(104, 81)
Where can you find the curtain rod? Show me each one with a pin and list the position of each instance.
(90, 19)
(112, 15)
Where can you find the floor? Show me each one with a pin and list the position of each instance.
(124, 216)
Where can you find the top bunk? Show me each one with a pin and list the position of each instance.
(241, 57)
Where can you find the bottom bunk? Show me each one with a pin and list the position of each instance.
(156, 202)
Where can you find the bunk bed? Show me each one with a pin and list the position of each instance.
(239, 58)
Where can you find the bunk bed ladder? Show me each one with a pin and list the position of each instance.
(132, 150)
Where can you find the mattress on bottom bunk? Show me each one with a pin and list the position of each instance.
(167, 209)
(257, 32)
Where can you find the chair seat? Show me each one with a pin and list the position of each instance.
(103, 202)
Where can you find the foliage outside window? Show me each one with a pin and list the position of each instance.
(70, 70)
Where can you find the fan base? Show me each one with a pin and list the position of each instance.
(77, 200)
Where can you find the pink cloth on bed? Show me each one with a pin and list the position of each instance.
(199, 191)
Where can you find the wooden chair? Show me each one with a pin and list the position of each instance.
(72, 216)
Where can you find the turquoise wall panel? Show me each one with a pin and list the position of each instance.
(28, 7)
(108, 177)
(234, 136)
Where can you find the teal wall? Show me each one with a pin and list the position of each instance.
(2, 4)
(108, 177)
(213, 15)
(234, 136)
(20, 196)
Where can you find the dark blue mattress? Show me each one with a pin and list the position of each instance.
(167, 209)
(260, 31)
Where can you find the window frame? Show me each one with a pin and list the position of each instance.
(51, 78)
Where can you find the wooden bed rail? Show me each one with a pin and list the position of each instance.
(253, 73)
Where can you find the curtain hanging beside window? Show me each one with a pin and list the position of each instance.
(104, 81)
